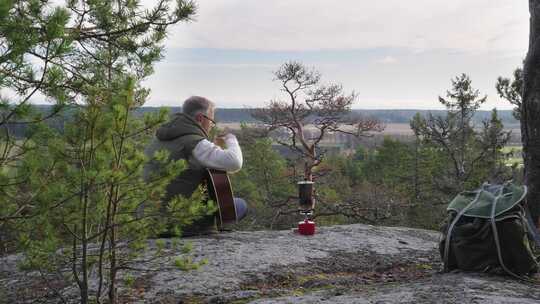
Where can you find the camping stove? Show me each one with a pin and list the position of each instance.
(307, 226)
(307, 205)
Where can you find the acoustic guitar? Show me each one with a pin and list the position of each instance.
(220, 191)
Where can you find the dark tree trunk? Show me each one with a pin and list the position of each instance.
(530, 121)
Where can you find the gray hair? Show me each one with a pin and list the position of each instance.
(196, 104)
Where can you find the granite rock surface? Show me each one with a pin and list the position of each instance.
(339, 264)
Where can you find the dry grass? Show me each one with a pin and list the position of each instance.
(390, 128)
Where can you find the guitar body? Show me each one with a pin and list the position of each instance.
(220, 191)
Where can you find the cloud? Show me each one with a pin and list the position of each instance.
(239, 77)
(387, 60)
(223, 65)
(355, 24)
(229, 52)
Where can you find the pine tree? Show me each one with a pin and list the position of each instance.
(307, 101)
(512, 91)
(308, 113)
(454, 135)
(493, 138)
(530, 113)
(83, 187)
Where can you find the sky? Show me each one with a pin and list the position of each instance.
(395, 54)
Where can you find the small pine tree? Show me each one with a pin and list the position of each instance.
(83, 187)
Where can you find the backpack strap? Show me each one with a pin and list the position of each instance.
(498, 243)
(451, 228)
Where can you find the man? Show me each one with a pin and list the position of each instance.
(185, 136)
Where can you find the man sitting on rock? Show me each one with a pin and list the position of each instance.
(185, 136)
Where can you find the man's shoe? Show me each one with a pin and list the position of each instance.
(226, 230)
(166, 235)
(199, 231)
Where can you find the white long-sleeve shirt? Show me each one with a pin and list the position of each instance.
(213, 156)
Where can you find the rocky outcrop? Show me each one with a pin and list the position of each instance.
(340, 264)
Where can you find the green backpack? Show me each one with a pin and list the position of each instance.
(488, 228)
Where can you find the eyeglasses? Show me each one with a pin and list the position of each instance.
(211, 120)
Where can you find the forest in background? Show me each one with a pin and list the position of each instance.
(241, 115)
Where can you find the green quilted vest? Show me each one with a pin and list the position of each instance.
(179, 136)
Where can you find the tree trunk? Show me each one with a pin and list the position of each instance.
(530, 121)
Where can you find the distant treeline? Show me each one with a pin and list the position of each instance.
(387, 116)
(243, 115)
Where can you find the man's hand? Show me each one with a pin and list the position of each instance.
(220, 141)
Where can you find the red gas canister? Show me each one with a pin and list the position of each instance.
(306, 227)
